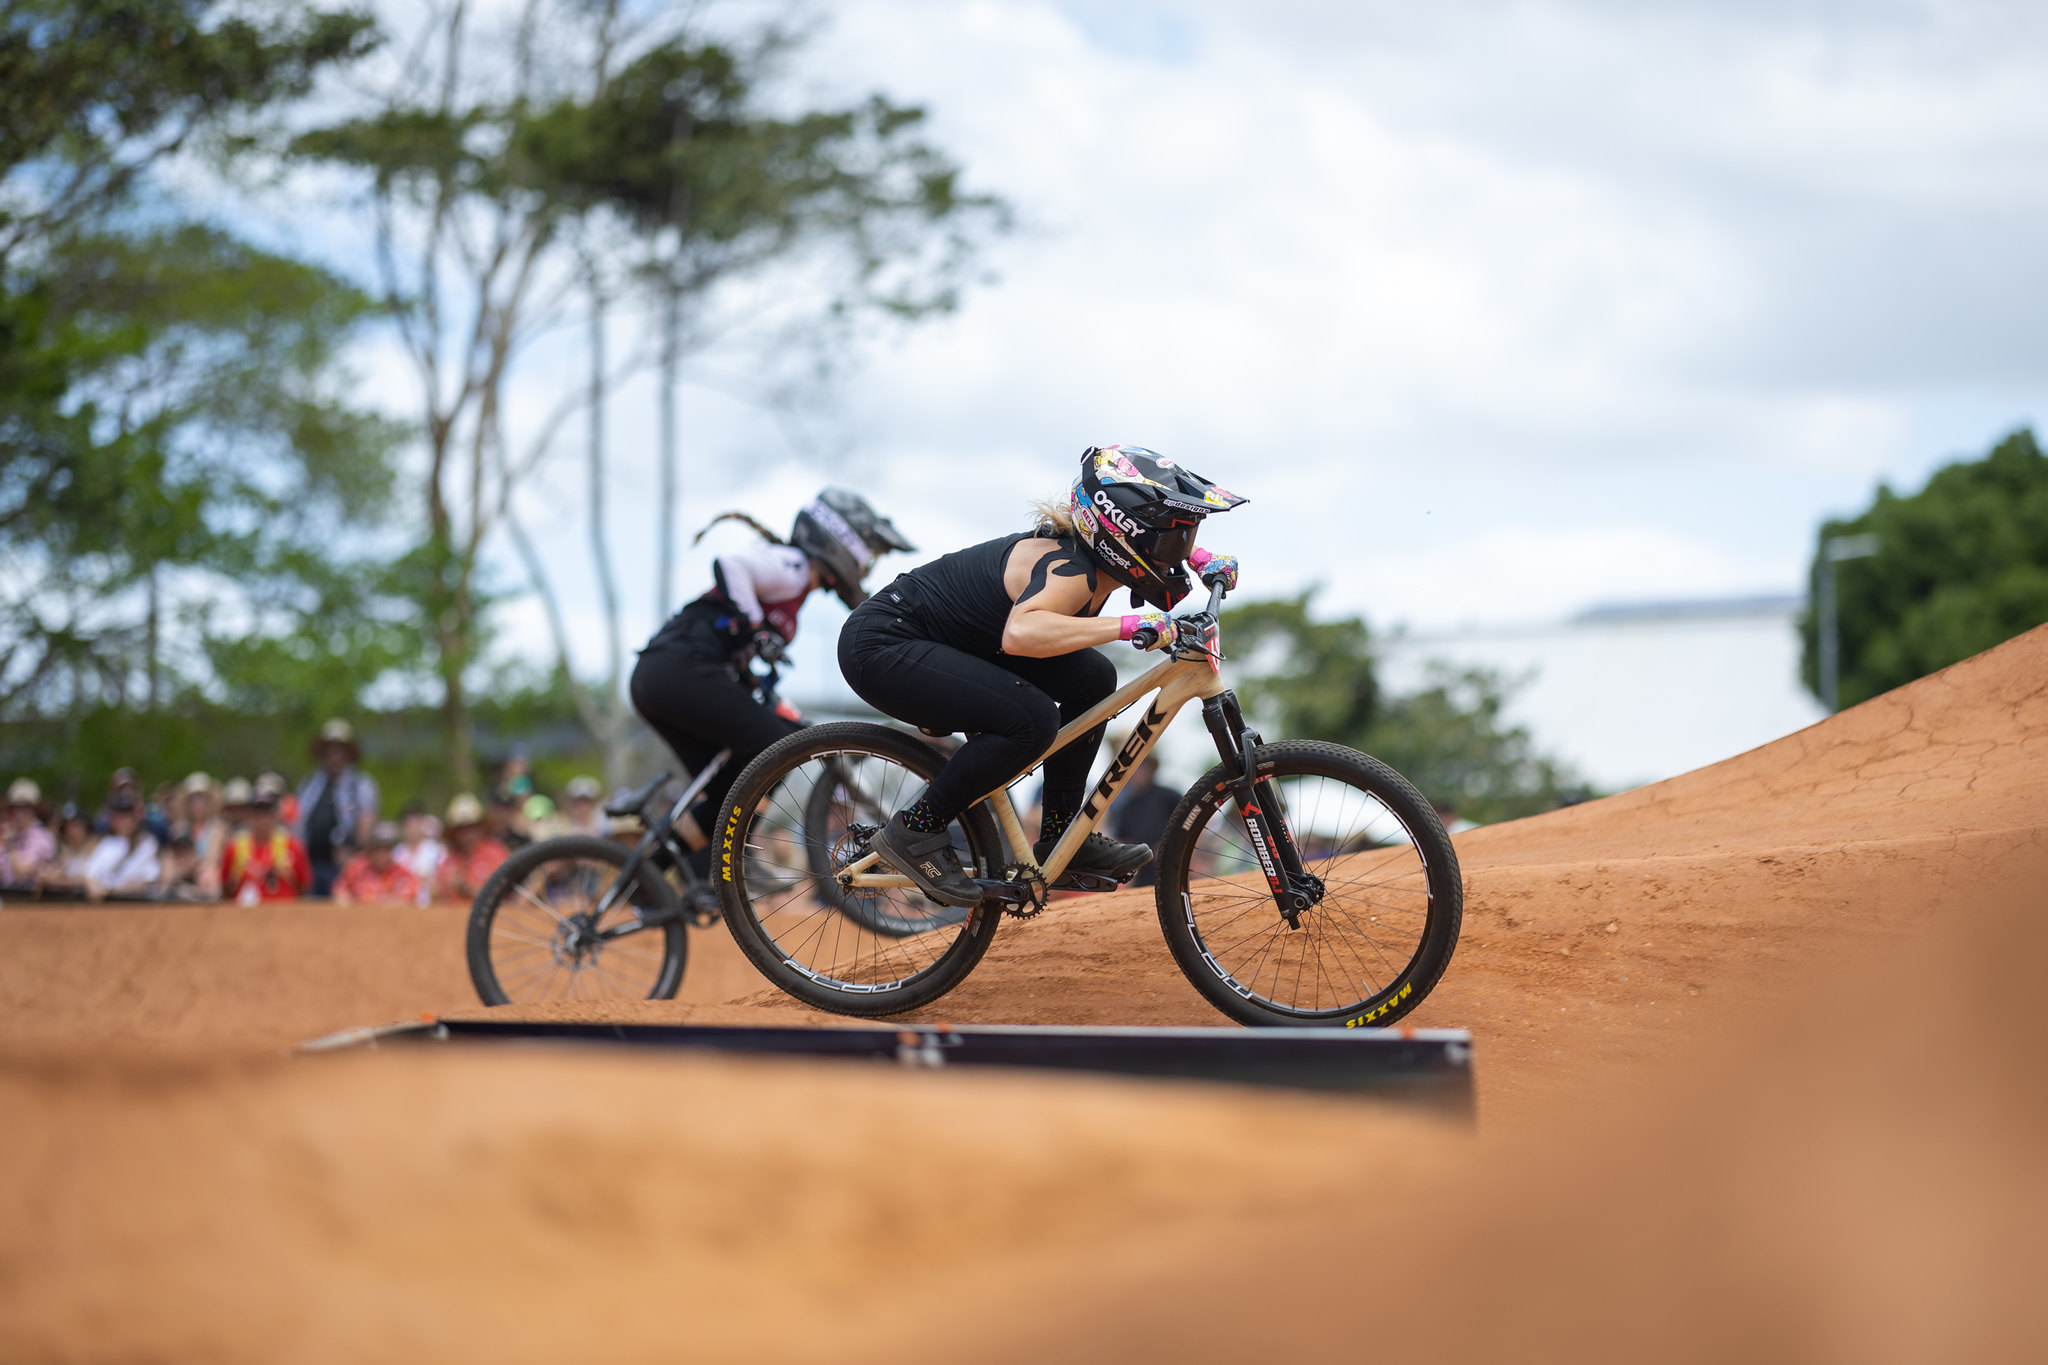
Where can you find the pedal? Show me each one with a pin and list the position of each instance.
(1090, 881)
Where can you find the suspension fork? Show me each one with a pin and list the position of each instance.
(1258, 805)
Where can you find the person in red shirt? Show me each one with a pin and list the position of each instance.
(374, 876)
(472, 854)
(264, 861)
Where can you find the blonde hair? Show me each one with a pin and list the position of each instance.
(1055, 517)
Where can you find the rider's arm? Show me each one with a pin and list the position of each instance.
(1048, 590)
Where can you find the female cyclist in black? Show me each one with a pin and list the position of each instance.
(997, 640)
(691, 686)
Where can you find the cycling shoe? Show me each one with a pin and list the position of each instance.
(928, 860)
(1097, 857)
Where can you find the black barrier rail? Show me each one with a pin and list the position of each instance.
(1429, 1067)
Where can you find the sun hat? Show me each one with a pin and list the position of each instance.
(584, 788)
(236, 791)
(198, 782)
(384, 834)
(337, 731)
(465, 809)
(24, 792)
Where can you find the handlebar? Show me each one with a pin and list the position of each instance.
(1146, 637)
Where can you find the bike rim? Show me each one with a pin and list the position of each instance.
(1356, 946)
(820, 930)
(548, 941)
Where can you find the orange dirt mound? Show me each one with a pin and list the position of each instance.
(1854, 1182)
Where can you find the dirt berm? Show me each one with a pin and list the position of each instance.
(1762, 1074)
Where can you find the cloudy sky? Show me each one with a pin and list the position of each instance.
(1494, 310)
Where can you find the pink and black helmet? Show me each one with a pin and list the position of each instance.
(1137, 512)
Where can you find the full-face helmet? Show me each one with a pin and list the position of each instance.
(844, 535)
(1137, 512)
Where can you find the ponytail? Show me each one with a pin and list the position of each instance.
(1053, 518)
(763, 531)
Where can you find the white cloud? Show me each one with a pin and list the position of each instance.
(1493, 310)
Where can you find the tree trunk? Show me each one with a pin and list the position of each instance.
(671, 362)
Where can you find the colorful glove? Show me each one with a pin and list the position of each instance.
(1158, 622)
(1214, 567)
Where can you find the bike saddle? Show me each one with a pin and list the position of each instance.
(633, 802)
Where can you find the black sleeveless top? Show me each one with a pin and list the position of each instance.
(958, 599)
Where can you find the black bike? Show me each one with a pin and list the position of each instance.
(581, 917)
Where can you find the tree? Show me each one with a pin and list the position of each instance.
(176, 437)
(681, 152)
(1962, 565)
(1310, 679)
(95, 92)
(464, 235)
(162, 408)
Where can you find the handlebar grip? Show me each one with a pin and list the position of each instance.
(1144, 637)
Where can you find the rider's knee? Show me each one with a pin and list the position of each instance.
(1037, 722)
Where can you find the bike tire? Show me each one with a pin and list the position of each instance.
(1341, 942)
(780, 951)
(651, 891)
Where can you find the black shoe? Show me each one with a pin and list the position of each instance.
(1097, 858)
(928, 860)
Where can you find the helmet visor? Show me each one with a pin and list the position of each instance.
(1168, 549)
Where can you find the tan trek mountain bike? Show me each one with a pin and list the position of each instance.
(1299, 883)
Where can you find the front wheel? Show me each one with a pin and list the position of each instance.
(1389, 894)
(536, 932)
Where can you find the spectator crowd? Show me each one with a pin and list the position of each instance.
(262, 841)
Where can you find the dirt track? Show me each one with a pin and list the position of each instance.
(1759, 1071)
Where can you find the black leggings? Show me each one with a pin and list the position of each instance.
(1013, 706)
(698, 706)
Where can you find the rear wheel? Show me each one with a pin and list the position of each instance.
(1389, 895)
(536, 934)
(781, 841)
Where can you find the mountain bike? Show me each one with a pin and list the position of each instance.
(1300, 883)
(581, 917)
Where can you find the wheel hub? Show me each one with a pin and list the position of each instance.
(577, 940)
(850, 849)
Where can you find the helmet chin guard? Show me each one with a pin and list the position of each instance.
(1137, 511)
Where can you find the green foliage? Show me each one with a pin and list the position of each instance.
(174, 414)
(1452, 742)
(679, 142)
(1962, 565)
(1317, 680)
(94, 92)
(1324, 686)
(168, 423)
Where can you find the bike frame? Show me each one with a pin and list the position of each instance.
(663, 834)
(1191, 672)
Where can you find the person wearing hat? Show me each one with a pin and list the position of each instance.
(235, 795)
(580, 801)
(472, 856)
(125, 861)
(198, 818)
(337, 804)
(30, 847)
(505, 819)
(375, 876)
(265, 861)
(153, 821)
